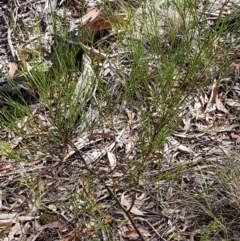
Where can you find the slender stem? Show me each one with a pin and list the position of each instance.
(110, 192)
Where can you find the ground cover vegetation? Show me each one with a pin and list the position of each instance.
(119, 121)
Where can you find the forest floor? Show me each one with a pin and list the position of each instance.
(119, 120)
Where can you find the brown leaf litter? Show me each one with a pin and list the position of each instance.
(95, 176)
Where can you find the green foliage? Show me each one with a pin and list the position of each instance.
(46, 218)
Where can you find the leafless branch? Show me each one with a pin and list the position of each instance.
(109, 191)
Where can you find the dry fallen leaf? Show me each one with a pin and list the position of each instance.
(233, 103)
(112, 160)
(72, 235)
(125, 202)
(214, 93)
(16, 229)
(131, 115)
(84, 184)
(220, 106)
(184, 149)
(6, 167)
(89, 18)
(211, 105)
(187, 124)
(144, 231)
(52, 207)
(236, 66)
(96, 19)
(12, 69)
(131, 234)
(199, 105)
(101, 24)
(236, 136)
(55, 224)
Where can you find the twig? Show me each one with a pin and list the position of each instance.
(133, 201)
(109, 190)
